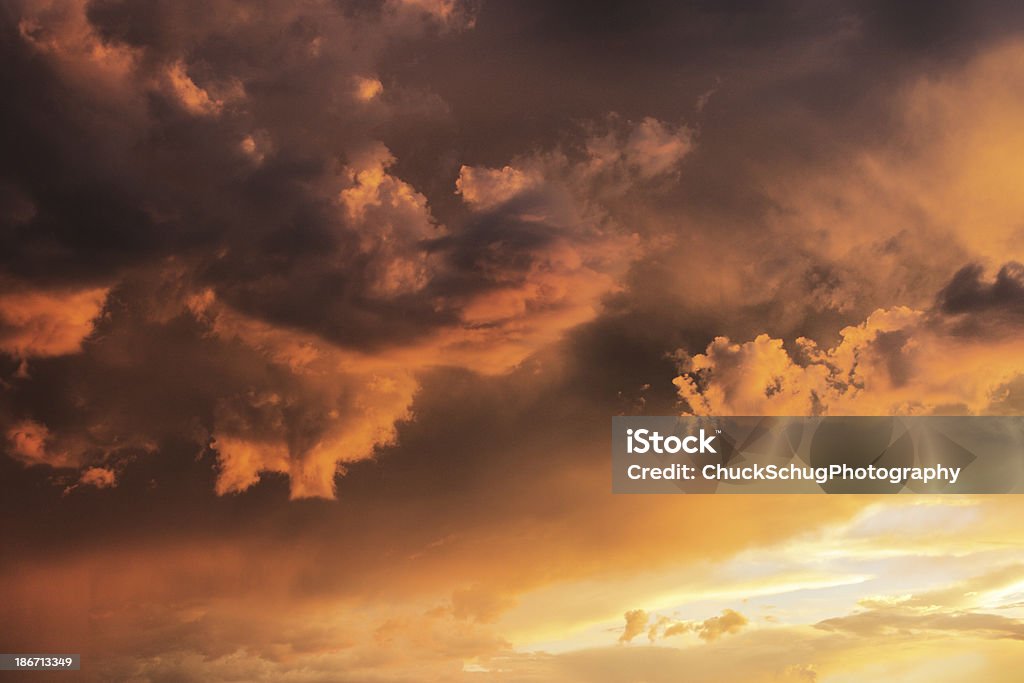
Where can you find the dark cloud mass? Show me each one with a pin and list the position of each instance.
(968, 292)
(225, 163)
(321, 301)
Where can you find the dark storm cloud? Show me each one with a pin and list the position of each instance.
(137, 186)
(271, 285)
(106, 196)
(259, 187)
(127, 175)
(657, 58)
(159, 154)
(122, 179)
(968, 292)
(768, 87)
(79, 217)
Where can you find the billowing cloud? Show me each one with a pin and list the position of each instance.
(281, 224)
(895, 362)
(48, 323)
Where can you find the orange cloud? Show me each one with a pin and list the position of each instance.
(486, 188)
(61, 31)
(392, 220)
(448, 13)
(193, 98)
(100, 477)
(367, 88)
(898, 361)
(48, 323)
(518, 311)
(31, 443)
(730, 622)
(650, 148)
(636, 623)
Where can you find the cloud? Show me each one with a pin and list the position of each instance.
(195, 99)
(636, 623)
(800, 672)
(485, 188)
(968, 606)
(392, 221)
(280, 253)
(968, 293)
(31, 443)
(452, 14)
(99, 477)
(400, 254)
(895, 362)
(714, 628)
(882, 622)
(329, 408)
(367, 88)
(41, 323)
(711, 629)
(650, 149)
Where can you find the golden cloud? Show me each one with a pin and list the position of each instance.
(898, 361)
(44, 323)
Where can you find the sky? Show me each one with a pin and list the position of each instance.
(314, 314)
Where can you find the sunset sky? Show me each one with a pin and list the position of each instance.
(314, 315)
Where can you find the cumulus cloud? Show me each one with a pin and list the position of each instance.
(392, 221)
(283, 230)
(895, 362)
(531, 262)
